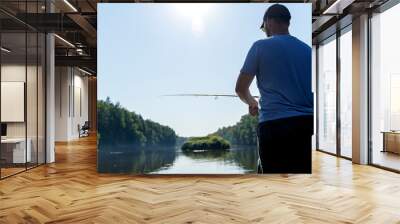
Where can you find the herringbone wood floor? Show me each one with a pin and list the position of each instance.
(71, 191)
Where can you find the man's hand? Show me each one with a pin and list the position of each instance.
(253, 108)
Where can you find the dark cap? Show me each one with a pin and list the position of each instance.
(277, 11)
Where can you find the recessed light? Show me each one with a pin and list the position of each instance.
(338, 6)
(5, 50)
(64, 40)
(70, 5)
(84, 71)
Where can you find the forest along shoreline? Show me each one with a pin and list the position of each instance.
(120, 127)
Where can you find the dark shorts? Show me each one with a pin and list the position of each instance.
(285, 145)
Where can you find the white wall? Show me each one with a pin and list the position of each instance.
(80, 110)
(61, 103)
(16, 73)
(71, 93)
(9, 73)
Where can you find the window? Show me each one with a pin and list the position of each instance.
(327, 95)
(385, 89)
(314, 84)
(346, 93)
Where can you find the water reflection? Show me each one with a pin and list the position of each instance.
(206, 154)
(130, 159)
(171, 160)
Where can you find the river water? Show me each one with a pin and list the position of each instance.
(171, 160)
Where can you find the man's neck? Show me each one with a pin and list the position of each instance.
(281, 32)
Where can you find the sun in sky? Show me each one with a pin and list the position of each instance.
(196, 13)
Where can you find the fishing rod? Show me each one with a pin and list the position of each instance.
(206, 95)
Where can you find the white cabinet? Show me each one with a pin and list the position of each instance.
(19, 154)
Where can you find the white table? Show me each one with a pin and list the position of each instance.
(19, 153)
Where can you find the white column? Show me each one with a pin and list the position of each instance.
(50, 92)
(360, 90)
(50, 99)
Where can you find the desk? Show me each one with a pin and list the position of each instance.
(391, 141)
(15, 148)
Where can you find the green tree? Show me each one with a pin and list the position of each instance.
(117, 125)
(243, 132)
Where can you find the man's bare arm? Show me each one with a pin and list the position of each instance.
(243, 91)
(243, 88)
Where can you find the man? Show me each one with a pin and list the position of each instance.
(282, 65)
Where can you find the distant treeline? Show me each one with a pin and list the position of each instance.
(117, 125)
(210, 142)
(242, 133)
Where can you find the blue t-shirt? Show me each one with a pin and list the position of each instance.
(282, 65)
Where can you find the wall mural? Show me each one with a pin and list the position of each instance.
(166, 84)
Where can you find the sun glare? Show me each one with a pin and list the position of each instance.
(192, 10)
(197, 25)
(195, 12)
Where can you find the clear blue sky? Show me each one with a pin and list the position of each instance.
(148, 50)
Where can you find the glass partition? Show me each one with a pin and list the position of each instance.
(14, 153)
(327, 95)
(22, 78)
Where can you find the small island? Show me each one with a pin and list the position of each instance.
(210, 142)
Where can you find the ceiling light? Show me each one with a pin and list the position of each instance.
(70, 5)
(65, 41)
(5, 50)
(79, 51)
(338, 6)
(84, 71)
